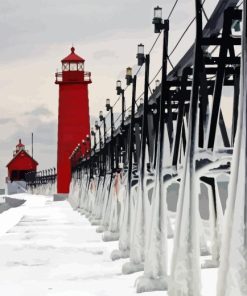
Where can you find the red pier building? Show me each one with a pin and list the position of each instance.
(73, 114)
(20, 164)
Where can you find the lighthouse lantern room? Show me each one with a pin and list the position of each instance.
(73, 114)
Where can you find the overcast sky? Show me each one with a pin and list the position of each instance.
(37, 34)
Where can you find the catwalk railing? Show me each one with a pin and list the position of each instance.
(144, 184)
(42, 182)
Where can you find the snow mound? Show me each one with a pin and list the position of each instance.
(146, 284)
(204, 251)
(130, 267)
(210, 264)
(117, 254)
(109, 236)
(95, 222)
(81, 211)
(100, 229)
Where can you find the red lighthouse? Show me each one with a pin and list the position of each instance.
(73, 114)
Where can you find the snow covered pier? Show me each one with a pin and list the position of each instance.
(177, 136)
(53, 250)
(48, 249)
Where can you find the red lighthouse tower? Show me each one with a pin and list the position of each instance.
(73, 114)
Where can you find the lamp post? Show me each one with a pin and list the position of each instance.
(88, 152)
(110, 108)
(157, 83)
(157, 20)
(140, 54)
(94, 138)
(79, 149)
(141, 59)
(93, 157)
(102, 118)
(160, 25)
(78, 159)
(128, 76)
(120, 91)
(85, 153)
(97, 127)
(85, 147)
(88, 145)
(129, 80)
(159, 151)
(141, 102)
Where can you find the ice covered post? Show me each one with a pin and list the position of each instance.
(125, 225)
(126, 229)
(155, 265)
(232, 278)
(137, 218)
(185, 268)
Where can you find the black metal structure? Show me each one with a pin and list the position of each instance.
(36, 179)
(201, 78)
(189, 97)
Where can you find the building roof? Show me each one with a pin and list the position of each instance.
(73, 57)
(18, 155)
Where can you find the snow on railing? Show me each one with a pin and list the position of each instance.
(167, 217)
(43, 189)
(43, 182)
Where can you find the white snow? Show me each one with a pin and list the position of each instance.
(49, 249)
(53, 250)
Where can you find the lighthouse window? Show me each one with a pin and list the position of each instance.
(73, 67)
(80, 66)
(66, 67)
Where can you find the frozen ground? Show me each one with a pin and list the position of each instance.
(48, 249)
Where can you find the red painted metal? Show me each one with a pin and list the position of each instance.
(73, 114)
(21, 163)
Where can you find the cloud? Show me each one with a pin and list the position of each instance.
(104, 54)
(6, 120)
(40, 111)
(46, 133)
(28, 27)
